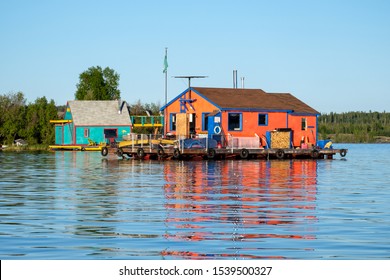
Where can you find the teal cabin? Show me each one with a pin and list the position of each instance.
(93, 122)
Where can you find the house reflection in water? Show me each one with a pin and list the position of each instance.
(244, 208)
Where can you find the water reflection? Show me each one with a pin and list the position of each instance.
(239, 204)
(77, 205)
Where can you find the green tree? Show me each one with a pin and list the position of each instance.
(39, 130)
(12, 117)
(355, 126)
(98, 84)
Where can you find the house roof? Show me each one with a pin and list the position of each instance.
(99, 112)
(255, 99)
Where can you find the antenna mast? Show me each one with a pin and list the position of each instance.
(189, 81)
(189, 78)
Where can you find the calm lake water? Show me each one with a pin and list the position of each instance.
(78, 205)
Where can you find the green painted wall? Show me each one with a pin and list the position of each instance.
(58, 131)
(68, 132)
(64, 134)
(96, 133)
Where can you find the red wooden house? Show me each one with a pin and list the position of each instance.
(241, 113)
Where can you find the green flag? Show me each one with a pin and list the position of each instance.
(165, 64)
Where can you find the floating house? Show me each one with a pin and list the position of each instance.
(89, 123)
(279, 120)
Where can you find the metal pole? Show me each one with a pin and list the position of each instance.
(166, 79)
(165, 129)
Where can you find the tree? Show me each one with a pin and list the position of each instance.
(98, 84)
(12, 117)
(39, 130)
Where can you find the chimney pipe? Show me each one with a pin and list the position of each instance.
(235, 79)
(242, 82)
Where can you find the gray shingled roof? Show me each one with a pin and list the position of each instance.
(102, 112)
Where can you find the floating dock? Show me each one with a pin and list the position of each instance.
(145, 148)
(152, 147)
(223, 153)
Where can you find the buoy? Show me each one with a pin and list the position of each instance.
(140, 153)
(244, 153)
(160, 151)
(315, 154)
(217, 129)
(104, 151)
(279, 154)
(211, 153)
(176, 153)
(119, 152)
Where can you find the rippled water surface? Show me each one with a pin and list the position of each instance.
(77, 205)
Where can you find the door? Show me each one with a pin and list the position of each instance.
(215, 127)
(59, 135)
(182, 125)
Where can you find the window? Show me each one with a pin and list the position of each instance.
(235, 121)
(205, 121)
(192, 119)
(263, 119)
(86, 132)
(110, 133)
(172, 120)
(304, 124)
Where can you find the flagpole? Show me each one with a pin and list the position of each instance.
(166, 78)
(166, 90)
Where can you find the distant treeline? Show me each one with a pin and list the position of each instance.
(355, 127)
(30, 122)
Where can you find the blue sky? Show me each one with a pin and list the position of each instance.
(333, 55)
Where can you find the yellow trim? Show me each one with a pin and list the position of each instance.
(72, 147)
(147, 125)
(133, 142)
(75, 147)
(61, 121)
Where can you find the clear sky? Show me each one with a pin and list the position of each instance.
(334, 55)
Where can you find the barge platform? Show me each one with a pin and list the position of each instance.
(154, 147)
(160, 152)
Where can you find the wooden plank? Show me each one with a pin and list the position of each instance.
(182, 125)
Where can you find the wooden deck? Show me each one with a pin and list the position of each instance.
(159, 152)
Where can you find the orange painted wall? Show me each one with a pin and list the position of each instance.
(250, 125)
(200, 105)
(309, 135)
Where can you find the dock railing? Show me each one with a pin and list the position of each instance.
(205, 142)
(221, 141)
(235, 142)
(147, 121)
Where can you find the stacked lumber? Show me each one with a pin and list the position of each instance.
(280, 139)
